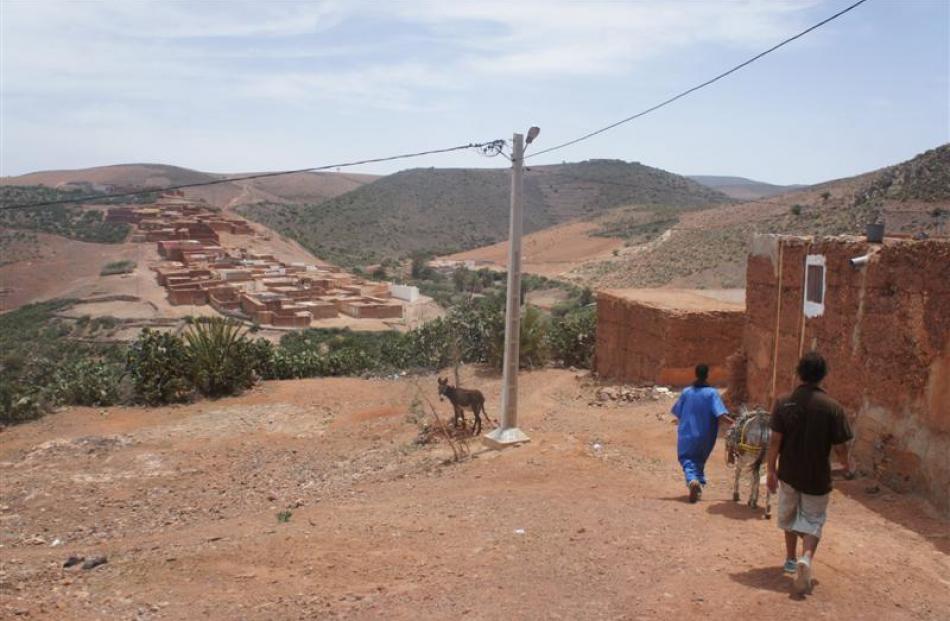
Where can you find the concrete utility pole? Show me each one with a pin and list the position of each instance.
(509, 433)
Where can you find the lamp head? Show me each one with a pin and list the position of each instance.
(532, 134)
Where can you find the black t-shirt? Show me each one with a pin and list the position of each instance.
(810, 423)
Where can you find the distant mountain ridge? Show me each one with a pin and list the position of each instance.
(741, 188)
(447, 210)
(300, 187)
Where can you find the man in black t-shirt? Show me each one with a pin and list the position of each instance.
(805, 426)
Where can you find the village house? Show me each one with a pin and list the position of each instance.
(878, 314)
(659, 335)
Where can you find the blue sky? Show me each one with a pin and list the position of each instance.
(230, 86)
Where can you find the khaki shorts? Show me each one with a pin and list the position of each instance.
(801, 513)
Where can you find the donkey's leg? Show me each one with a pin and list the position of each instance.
(477, 425)
(756, 483)
(459, 415)
(737, 467)
(768, 503)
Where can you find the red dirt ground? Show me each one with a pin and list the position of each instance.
(587, 521)
(553, 251)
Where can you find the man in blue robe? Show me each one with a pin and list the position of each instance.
(698, 410)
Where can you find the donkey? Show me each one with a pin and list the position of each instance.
(746, 445)
(462, 398)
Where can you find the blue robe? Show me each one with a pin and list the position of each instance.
(698, 410)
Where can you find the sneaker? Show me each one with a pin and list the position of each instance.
(803, 575)
(695, 490)
(791, 566)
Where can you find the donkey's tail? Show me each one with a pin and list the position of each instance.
(489, 418)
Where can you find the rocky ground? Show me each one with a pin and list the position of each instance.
(315, 499)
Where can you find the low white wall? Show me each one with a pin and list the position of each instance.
(404, 292)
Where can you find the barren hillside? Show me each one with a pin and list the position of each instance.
(708, 248)
(451, 210)
(656, 246)
(324, 499)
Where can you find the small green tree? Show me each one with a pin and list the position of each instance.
(572, 338)
(420, 269)
(158, 364)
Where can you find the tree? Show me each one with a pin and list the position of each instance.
(420, 266)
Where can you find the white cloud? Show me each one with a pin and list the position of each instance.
(75, 68)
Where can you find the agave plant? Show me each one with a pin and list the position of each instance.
(219, 356)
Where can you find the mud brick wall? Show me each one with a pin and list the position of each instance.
(178, 297)
(379, 311)
(640, 343)
(323, 311)
(885, 332)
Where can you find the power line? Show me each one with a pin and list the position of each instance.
(698, 86)
(490, 148)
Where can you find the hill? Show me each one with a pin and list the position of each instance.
(741, 188)
(450, 210)
(301, 187)
(708, 248)
(82, 222)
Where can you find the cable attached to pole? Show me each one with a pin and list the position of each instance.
(698, 86)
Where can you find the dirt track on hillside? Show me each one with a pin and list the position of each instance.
(587, 521)
(551, 252)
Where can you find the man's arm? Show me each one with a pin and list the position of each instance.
(771, 460)
(677, 407)
(841, 436)
(843, 453)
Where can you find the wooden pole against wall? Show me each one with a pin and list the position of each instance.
(778, 319)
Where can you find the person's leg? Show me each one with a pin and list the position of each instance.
(786, 514)
(701, 472)
(690, 470)
(810, 545)
(812, 512)
(791, 545)
(791, 558)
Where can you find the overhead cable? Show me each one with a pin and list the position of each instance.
(492, 147)
(698, 86)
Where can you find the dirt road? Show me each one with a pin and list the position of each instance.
(588, 521)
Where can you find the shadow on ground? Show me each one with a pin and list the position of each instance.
(770, 578)
(735, 510)
(893, 506)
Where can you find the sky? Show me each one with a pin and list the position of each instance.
(251, 86)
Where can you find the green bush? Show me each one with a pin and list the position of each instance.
(117, 267)
(87, 382)
(159, 367)
(18, 404)
(42, 367)
(533, 350)
(571, 339)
